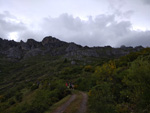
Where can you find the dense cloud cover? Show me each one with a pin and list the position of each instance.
(147, 2)
(99, 31)
(111, 22)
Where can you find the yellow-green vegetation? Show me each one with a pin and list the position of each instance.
(122, 85)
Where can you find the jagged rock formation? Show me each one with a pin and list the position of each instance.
(55, 47)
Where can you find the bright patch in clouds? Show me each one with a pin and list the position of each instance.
(138, 28)
(13, 36)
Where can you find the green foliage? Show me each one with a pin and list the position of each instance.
(86, 82)
(65, 60)
(105, 72)
(18, 96)
(43, 99)
(138, 82)
(34, 84)
(11, 101)
(101, 99)
(88, 68)
(71, 70)
(125, 60)
(127, 80)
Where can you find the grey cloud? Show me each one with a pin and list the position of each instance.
(123, 14)
(135, 38)
(146, 2)
(7, 25)
(128, 14)
(6, 14)
(29, 34)
(100, 31)
(117, 7)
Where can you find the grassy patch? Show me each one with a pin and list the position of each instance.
(75, 105)
(56, 105)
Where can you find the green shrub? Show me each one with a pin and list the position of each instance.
(33, 87)
(18, 96)
(101, 99)
(138, 82)
(11, 101)
(88, 68)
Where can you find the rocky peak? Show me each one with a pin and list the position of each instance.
(1, 39)
(24, 46)
(138, 48)
(31, 41)
(33, 44)
(6, 44)
(49, 40)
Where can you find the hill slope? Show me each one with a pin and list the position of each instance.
(33, 75)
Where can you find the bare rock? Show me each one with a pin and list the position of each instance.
(33, 52)
(72, 47)
(14, 52)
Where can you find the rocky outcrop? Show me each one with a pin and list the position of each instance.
(5, 44)
(24, 46)
(14, 52)
(51, 42)
(33, 44)
(73, 47)
(33, 52)
(54, 47)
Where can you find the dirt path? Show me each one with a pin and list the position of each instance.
(77, 103)
(62, 108)
(83, 106)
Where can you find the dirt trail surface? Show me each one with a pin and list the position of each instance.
(83, 106)
(62, 108)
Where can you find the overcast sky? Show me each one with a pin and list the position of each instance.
(85, 22)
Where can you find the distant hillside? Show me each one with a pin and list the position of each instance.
(54, 47)
(33, 76)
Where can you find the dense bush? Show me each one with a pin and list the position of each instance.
(122, 89)
(43, 98)
(138, 83)
(88, 68)
(101, 99)
(34, 86)
(18, 96)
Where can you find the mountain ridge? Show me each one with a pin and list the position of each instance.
(55, 47)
